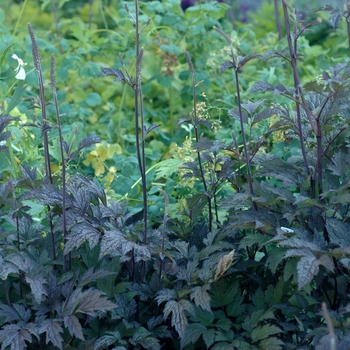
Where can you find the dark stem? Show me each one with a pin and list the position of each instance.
(195, 123)
(245, 148)
(37, 65)
(6, 292)
(293, 61)
(162, 257)
(138, 112)
(348, 22)
(19, 249)
(63, 160)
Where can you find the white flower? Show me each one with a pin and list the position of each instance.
(287, 230)
(21, 73)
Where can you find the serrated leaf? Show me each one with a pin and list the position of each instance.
(183, 120)
(335, 17)
(90, 275)
(209, 337)
(52, 329)
(272, 343)
(125, 309)
(88, 141)
(178, 317)
(338, 232)
(223, 294)
(205, 123)
(307, 268)
(201, 297)
(226, 65)
(262, 86)
(252, 239)
(14, 336)
(265, 331)
(74, 327)
(115, 244)
(251, 107)
(234, 113)
(299, 252)
(9, 313)
(108, 339)
(147, 342)
(242, 60)
(90, 302)
(37, 287)
(114, 72)
(79, 234)
(165, 295)
(151, 128)
(256, 317)
(264, 114)
(93, 301)
(6, 268)
(192, 334)
(167, 167)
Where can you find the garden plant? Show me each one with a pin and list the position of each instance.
(174, 177)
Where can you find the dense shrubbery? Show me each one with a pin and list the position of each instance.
(178, 183)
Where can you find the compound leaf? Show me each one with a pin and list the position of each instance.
(52, 329)
(265, 331)
(73, 325)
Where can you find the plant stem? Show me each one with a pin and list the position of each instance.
(162, 255)
(138, 112)
(278, 21)
(195, 126)
(6, 292)
(245, 148)
(19, 18)
(298, 91)
(19, 249)
(348, 21)
(37, 65)
(63, 160)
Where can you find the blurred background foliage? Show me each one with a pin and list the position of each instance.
(86, 36)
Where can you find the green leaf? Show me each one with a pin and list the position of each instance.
(255, 238)
(192, 333)
(167, 167)
(109, 338)
(93, 99)
(276, 256)
(252, 321)
(91, 275)
(265, 331)
(17, 96)
(272, 343)
(209, 337)
(223, 294)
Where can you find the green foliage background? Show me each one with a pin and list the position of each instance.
(269, 271)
